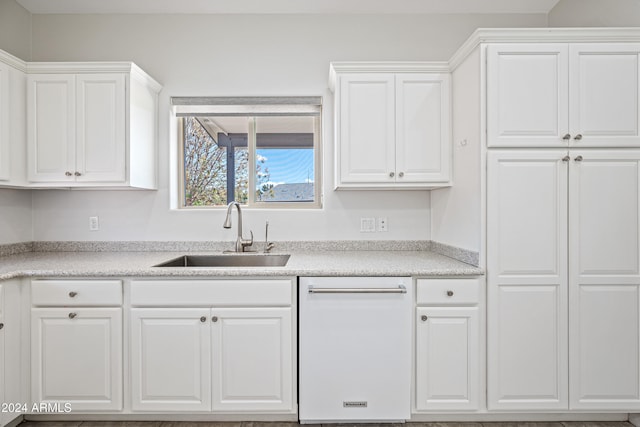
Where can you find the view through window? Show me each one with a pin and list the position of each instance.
(282, 148)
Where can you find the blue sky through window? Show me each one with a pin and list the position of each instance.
(288, 165)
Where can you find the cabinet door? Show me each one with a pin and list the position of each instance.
(77, 357)
(252, 359)
(447, 369)
(51, 135)
(170, 359)
(527, 95)
(366, 115)
(11, 337)
(604, 275)
(100, 144)
(422, 128)
(527, 280)
(4, 122)
(3, 415)
(604, 92)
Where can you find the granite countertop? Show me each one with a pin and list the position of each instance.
(301, 263)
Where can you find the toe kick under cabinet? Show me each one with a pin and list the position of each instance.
(224, 345)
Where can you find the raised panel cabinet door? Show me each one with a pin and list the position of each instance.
(101, 144)
(11, 333)
(4, 416)
(527, 95)
(51, 133)
(366, 144)
(604, 91)
(447, 370)
(527, 280)
(77, 357)
(422, 128)
(604, 274)
(4, 123)
(171, 359)
(252, 359)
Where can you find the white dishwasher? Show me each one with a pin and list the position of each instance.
(355, 349)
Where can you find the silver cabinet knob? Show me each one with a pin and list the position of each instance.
(578, 159)
(423, 318)
(1, 325)
(72, 294)
(392, 174)
(72, 315)
(566, 158)
(578, 137)
(401, 174)
(77, 174)
(566, 137)
(67, 173)
(214, 319)
(449, 293)
(203, 319)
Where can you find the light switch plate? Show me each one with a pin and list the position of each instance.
(367, 225)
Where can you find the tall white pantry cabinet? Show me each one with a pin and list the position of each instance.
(559, 143)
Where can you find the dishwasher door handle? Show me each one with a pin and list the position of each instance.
(399, 290)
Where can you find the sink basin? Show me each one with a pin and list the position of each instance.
(231, 260)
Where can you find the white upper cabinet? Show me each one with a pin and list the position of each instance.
(559, 94)
(367, 122)
(91, 129)
(527, 95)
(392, 126)
(603, 95)
(4, 122)
(12, 121)
(51, 128)
(100, 143)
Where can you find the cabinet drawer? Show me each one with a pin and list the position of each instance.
(219, 293)
(448, 291)
(76, 292)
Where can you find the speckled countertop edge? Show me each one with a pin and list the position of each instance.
(113, 259)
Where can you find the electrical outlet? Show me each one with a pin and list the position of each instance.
(94, 224)
(367, 225)
(382, 224)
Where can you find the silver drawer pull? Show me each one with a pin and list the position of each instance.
(399, 290)
(72, 294)
(72, 315)
(449, 293)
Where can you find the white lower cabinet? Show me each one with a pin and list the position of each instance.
(76, 344)
(171, 359)
(252, 359)
(447, 345)
(77, 357)
(233, 356)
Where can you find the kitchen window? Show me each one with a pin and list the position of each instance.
(262, 152)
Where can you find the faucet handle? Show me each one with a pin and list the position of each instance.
(245, 242)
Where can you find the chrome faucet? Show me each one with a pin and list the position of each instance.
(241, 243)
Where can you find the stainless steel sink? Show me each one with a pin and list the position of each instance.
(231, 260)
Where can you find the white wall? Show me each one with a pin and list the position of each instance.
(15, 216)
(456, 211)
(15, 29)
(15, 205)
(227, 55)
(595, 13)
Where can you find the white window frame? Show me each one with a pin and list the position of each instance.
(251, 106)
